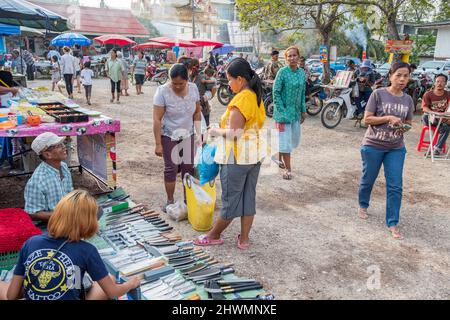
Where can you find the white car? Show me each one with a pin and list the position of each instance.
(434, 67)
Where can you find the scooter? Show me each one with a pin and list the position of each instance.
(156, 74)
(268, 97)
(314, 95)
(224, 92)
(341, 105)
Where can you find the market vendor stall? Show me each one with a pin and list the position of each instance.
(95, 133)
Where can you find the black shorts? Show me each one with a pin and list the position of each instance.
(139, 78)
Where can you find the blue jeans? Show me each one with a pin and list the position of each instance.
(363, 95)
(392, 161)
(444, 131)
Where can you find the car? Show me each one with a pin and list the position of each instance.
(339, 64)
(383, 69)
(434, 67)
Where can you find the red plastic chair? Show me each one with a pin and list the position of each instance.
(425, 144)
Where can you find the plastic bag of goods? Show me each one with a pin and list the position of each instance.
(177, 211)
(204, 162)
(201, 201)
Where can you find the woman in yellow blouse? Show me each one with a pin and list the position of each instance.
(239, 153)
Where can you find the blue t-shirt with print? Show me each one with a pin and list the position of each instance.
(62, 277)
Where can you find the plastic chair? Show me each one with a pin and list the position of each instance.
(425, 144)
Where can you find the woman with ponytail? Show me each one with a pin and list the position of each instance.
(240, 150)
(290, 108)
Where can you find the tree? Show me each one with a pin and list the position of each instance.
(444, 11)
(280, 16)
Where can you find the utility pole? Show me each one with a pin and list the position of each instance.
(193, 19)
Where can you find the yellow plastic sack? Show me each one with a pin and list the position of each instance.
(201, 201)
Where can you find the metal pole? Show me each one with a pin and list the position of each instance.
(193, 19)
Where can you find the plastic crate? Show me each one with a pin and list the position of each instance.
(8, 260)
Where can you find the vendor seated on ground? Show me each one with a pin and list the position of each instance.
(55, 266)
(51, 180)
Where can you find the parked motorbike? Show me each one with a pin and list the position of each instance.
(341, 105)
(224, 92)
(314, 95)
(268, 97)
(156, 74)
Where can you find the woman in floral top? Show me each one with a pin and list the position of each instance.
(290, 108)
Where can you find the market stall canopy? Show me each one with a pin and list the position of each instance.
(24, 13)
(150, 45)
(174, 42)
(115, 39)
(206, 43)
(9, 30)
(226, 48)
(69, 39)
(25, 31)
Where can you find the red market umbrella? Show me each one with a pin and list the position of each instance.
(114, 39)
(206, 43)
(150, 45)
(174, 42)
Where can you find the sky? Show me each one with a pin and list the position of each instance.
(111, 3)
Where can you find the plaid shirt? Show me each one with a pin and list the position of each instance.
(45, 188)
(28, 57)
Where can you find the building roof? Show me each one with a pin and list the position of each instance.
(434, 25)
(99, 21)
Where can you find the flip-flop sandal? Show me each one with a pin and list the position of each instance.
(396, 234)
(279, 163)
(362, 213)
(204, 240)
(242, 246)
(287, 175)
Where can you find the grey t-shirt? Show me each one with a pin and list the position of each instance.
(382, 103)
(139, 65)
(178, 120)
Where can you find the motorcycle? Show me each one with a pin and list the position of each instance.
(314, 95)
(156, 74)
(268, 97)
(341, 105)
(224, 92)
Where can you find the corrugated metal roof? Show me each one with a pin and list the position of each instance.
(99, 21)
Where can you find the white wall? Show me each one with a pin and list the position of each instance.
(442, 50)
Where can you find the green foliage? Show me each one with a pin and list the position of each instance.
(443, 11)
(147, 23)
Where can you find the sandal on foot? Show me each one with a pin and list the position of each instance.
(287, 175)
(111, 100)
(396, 233)
(164, 208)
(362, 213)
(242, 246)
(204, 240)
(279, 163)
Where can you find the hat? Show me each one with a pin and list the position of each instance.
(366, 64)
(45, 140)
(274, 52)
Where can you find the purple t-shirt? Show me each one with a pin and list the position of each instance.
(382, 103)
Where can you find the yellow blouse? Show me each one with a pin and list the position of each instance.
(250, 147)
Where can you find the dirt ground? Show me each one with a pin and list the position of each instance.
(307, 241)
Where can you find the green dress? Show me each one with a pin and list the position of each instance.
(289, 95)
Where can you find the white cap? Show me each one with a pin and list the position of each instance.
(45, 140)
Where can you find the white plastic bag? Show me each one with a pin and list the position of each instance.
(177, 211)
(201, 195)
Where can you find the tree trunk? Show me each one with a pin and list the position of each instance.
(326, 66)
(392, 27)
